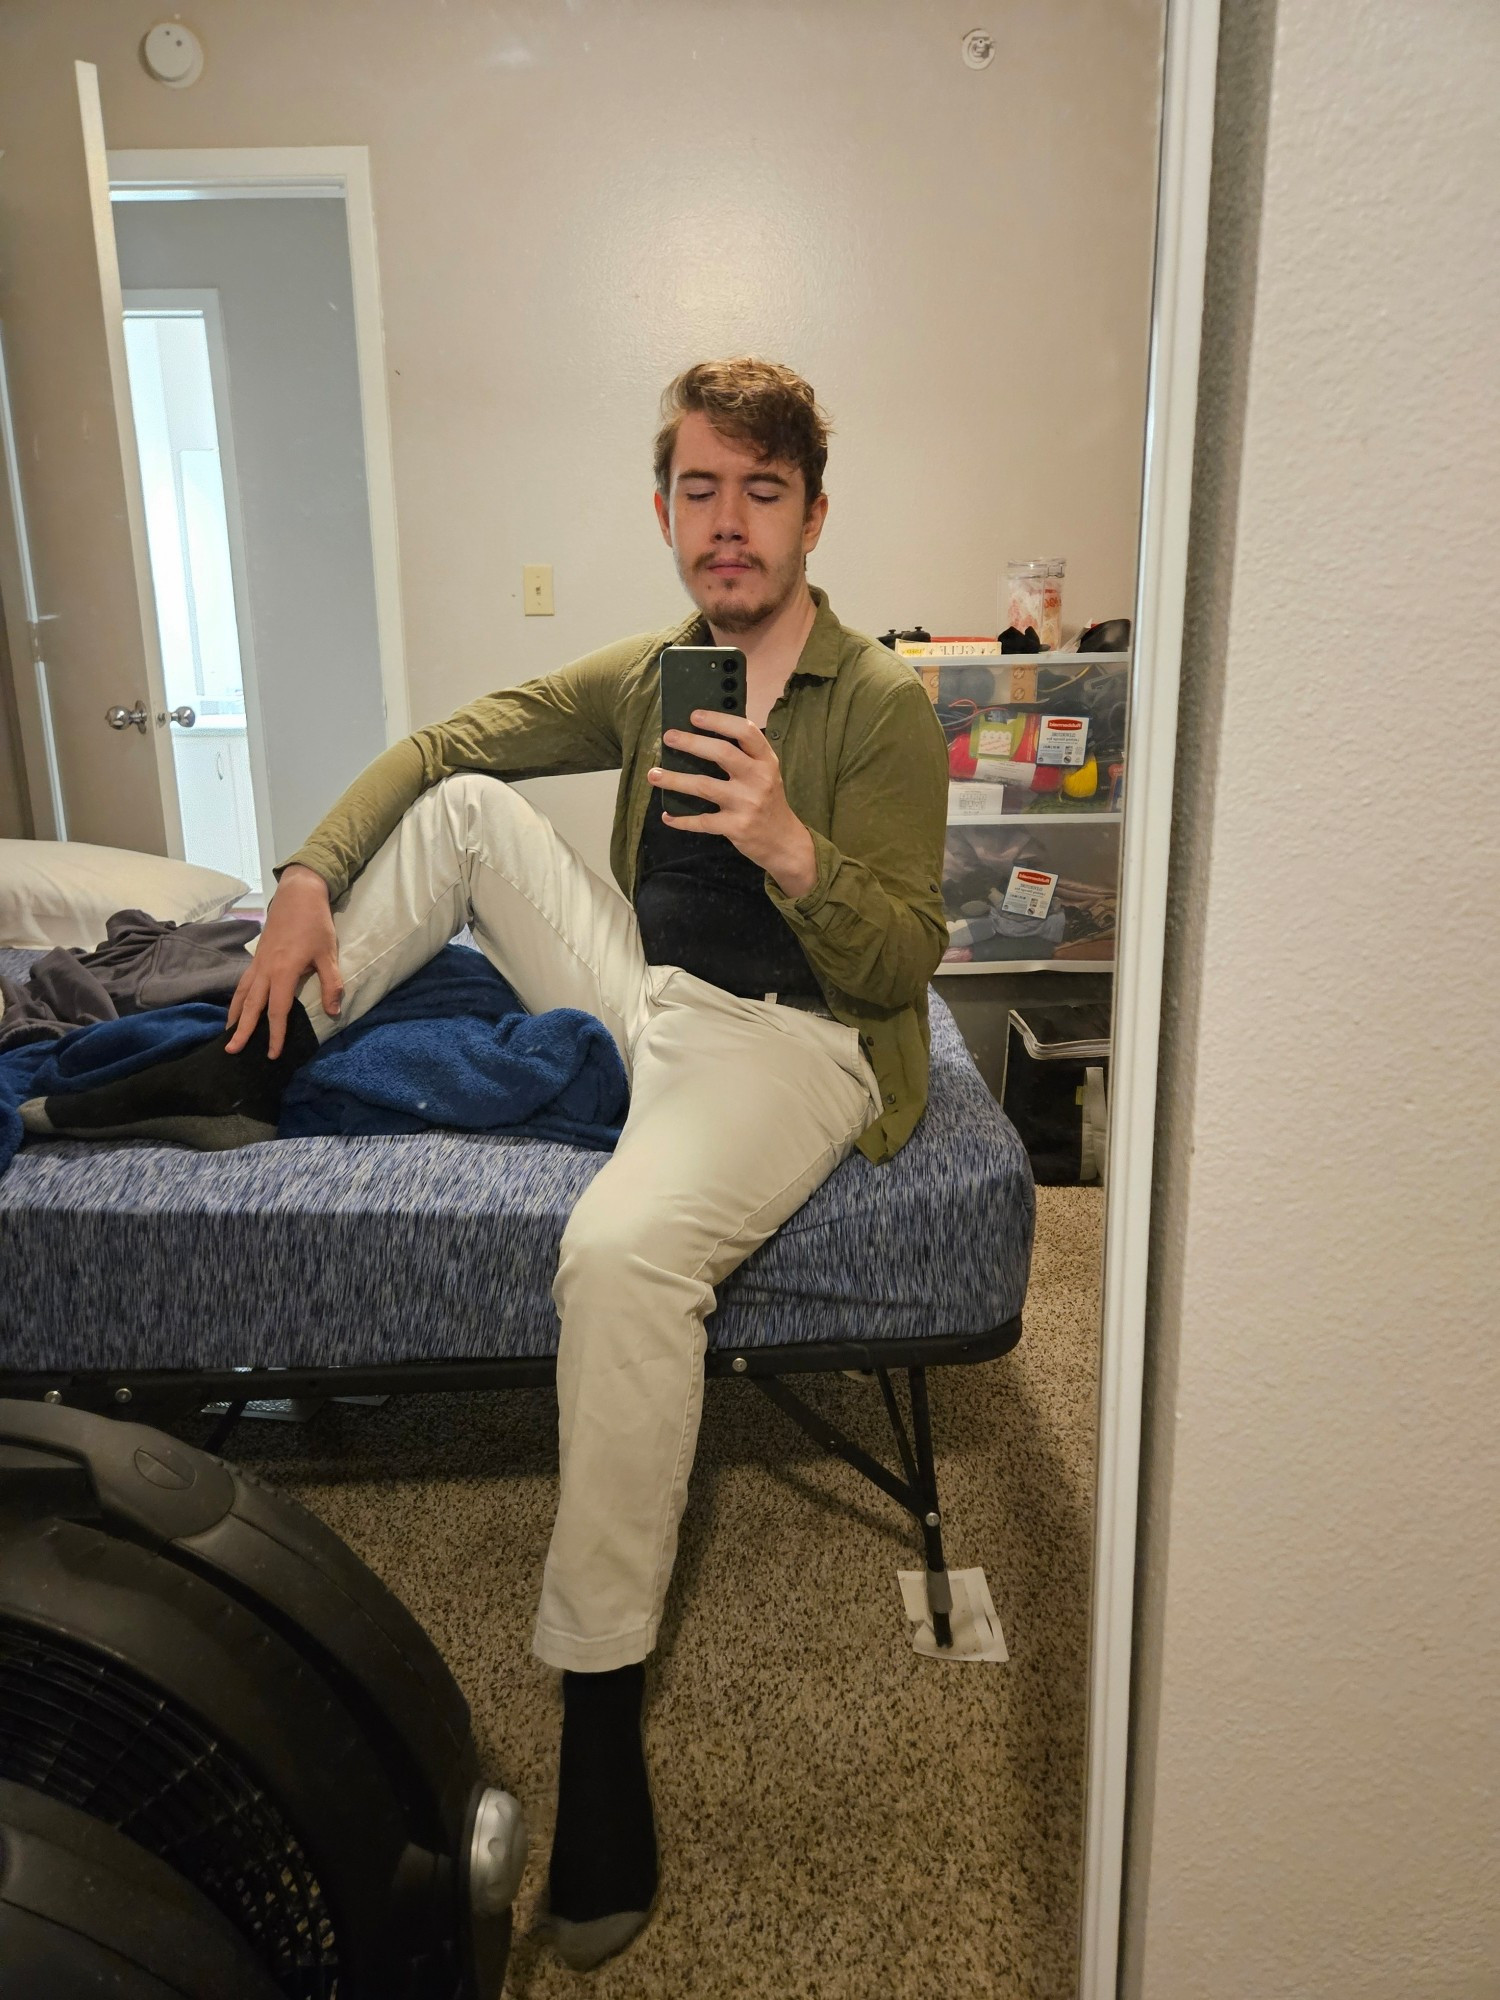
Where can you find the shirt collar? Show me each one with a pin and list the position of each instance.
(821, 648)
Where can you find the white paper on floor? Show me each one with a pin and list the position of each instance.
(974, 1619)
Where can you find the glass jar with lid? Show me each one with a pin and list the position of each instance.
(1033, 592)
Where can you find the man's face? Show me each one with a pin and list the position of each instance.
(737, 526)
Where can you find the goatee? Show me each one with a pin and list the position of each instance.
(743, 618)
(746, 617)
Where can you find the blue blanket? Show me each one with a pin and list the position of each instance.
(453, 1046)
(450, 1047)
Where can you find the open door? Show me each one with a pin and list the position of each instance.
(91, 632)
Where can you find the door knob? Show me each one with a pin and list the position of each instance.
(121, 718)
(183, 715)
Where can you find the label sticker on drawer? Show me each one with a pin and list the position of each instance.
(981, 805)
(1062, 739)
(1029, 893)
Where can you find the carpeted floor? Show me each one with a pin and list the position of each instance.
(839, 1819)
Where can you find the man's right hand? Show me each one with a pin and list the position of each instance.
(298, 938)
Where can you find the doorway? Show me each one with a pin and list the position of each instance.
(264, 454)
(174, 349)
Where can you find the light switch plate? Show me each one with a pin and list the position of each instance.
(536, 590)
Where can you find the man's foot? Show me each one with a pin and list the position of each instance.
(201, 1097)
(603, 1875)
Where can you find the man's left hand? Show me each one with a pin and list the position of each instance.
(753, 811)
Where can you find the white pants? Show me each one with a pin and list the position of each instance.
(739, 1109)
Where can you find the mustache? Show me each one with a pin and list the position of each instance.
(706, 562)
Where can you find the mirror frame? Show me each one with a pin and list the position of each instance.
(1186, 160)
(1185, 147)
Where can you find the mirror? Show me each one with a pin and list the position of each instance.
(392, 333)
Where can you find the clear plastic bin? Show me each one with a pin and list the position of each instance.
(1031, 892)
(1032, 736)
(1036, 748)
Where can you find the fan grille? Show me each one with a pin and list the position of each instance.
(78, 1726)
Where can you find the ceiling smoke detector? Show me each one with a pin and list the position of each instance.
(978, 48)
(172, 54)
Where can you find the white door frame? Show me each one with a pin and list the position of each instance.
(1188, 82)
(338, 172)
(206, 301)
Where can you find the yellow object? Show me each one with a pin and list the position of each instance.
(1082, 783)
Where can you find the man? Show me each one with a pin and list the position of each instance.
(765, 983)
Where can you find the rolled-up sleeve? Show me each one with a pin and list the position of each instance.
(872, 925)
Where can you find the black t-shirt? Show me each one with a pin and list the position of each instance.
(701, 904)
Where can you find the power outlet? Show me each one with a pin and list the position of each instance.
(536, 590)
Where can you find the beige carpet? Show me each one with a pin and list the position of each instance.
(839, 1819)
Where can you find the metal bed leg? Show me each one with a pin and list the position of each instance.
(939, 1590)
(218, 1437)
(917, 1493)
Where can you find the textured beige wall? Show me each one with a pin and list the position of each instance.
(1314, 1795)
(574, 201)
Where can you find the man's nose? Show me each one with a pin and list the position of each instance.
(729, 518)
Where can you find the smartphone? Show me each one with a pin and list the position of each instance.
(711, 677)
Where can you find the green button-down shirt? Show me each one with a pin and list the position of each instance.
(864, 767)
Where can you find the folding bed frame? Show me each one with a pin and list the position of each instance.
(143, 1279)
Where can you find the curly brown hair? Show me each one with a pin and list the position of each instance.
(758, 403)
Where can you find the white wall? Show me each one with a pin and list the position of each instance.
(1314, 1790)
(575, 201)
(281, 269)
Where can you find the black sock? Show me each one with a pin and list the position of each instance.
(204, 1098)
(604, 1847)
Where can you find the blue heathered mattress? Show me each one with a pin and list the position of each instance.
(442, 1246)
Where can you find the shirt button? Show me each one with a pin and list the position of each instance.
(774, 734)
(890, 1097)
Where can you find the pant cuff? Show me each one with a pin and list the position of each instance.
(592, 1656)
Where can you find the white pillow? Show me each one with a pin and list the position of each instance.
(61, 891)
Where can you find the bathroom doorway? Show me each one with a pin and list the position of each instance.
(245, 382)
(174, 347)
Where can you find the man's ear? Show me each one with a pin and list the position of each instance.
(812, 526)
(664, 519)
